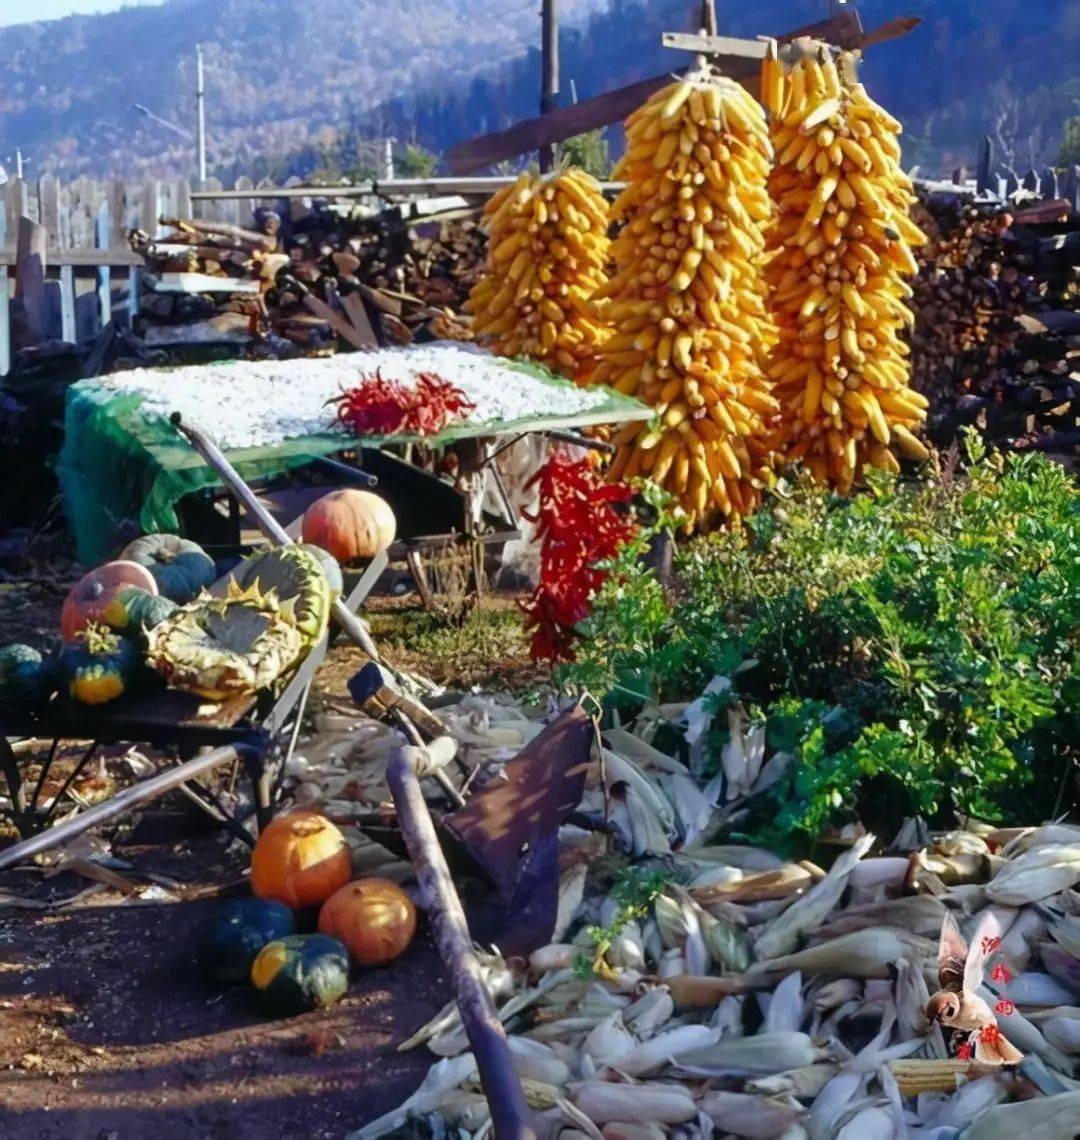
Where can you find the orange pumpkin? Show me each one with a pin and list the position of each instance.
(300, 859)
(375, 919)
(350, 524)
(92, 594)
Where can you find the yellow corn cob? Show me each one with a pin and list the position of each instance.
(548, 252)
(837, 258)
(688, 296)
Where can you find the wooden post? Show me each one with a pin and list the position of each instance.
(986, 162)
(68, 333)
(549, 70)
(5, 321)
(49, 208)
(30, 260)
(103, 239)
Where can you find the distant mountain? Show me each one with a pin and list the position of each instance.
(280, 74)
(291, 83)
(971, 67)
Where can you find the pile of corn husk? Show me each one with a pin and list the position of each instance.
(754, 996)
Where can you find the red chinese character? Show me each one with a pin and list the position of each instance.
(990, 1035)
(964, 1052)
(1005, 1006)
(989, 945)
(1001, 973)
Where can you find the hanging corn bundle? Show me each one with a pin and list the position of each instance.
(547, 252)
(840, 250)
(687, 302)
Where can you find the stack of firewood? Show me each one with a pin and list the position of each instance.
(333, 281)
(996, 342)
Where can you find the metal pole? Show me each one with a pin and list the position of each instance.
(18, 162)
(388, 161)
(502, 1086)
(123, 801)
(549, 94)
(708, 17)
(352, 626)
(200, 116)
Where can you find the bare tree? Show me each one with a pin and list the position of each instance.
(1006, 128)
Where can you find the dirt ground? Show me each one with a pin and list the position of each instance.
(108, 1029)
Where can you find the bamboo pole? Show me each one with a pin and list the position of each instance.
(487, 1038)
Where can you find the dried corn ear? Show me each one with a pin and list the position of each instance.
(690, 328)
(547, 254)
(839, 253)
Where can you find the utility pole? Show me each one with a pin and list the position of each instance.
(708, 17)
(200, 116)
(388, 160)
(549, 70)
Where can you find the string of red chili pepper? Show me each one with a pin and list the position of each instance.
(578, 527)
(377, 406)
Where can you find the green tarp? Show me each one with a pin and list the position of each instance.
(123, 471)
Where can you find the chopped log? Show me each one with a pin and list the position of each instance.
(266, 242)
(30, 259)
(338, 323)
(354, 307)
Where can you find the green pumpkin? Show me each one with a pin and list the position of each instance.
(300, 973)
(298, 579)
(181, 568)
(232, 939)
(134, 611)
(98, 667)
(26, 678)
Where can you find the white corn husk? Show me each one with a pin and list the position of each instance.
(713, 876)
(670, 921)
(1034, 988)
(745, 858)
(761, 1054)
(1040, 837)
(653, 1009)
(571, 893)
(672, 965)
(805, 1082)
(960, 843)
(1016, 945)
(1063, 1033)
(1063, 966)
(960, 1108)
(563, 1029)
(832, 1102)
(871, 1123)
(537, 1062)
(728, 945)
(785, 1006)
(1065, 930)
(627, 949)
(1037, 874)
(742, 1114)
(871, 875)
(919, 914)
(808, 912)
(864, 954)
(911, 995)
(655, 1054)
(1044, 1118)
(912, 836)
(836, 993)
(554, 956)
(442, 1078)
(658, 1102)
(624, 1131)
(608, 1041)
(465, 1110)
(1026, 1036)
(727, 1018)
(584, 1127)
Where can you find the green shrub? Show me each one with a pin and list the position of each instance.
(915, 647)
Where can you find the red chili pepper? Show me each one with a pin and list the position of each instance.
(578, 527)
(386, 407)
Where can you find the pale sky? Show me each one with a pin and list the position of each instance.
(23, 11)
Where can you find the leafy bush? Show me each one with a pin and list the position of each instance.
(915, 647)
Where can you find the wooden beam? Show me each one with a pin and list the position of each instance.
(844, 30)
(30, 262)
(81, 258)
(727, 46)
